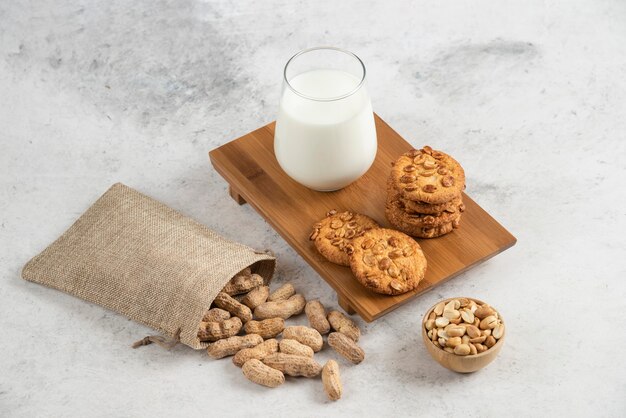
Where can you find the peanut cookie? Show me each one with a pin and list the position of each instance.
(395, 210)
(454, 206)
(333, 233)
(421, 231)
(429, 176)
(412, 206)
(387, 261)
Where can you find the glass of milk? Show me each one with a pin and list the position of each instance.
(325, 136)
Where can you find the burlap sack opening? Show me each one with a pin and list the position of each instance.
(135, 256)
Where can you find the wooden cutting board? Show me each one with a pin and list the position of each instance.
(250, 168)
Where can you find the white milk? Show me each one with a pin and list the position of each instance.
(325, 145)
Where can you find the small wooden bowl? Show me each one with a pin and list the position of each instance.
(461, 364)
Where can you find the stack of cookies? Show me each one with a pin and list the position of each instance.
(424, 193)
(383, 260)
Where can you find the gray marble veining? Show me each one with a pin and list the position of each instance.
(529, 96)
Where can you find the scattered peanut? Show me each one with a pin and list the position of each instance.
(289, 346)
(345, 325)
(230, 346)
(215, 315)
(463, 327)
(258, 352)
(282, 308)
(316, 314)
(282, 293)
(261, 374)
(267, 328)
(226, 302)
(346, 346)
(332, 380)
(304, 335)
(256, 297)
(213, 331)
(242, 283)
(293, 365)
(246, 303)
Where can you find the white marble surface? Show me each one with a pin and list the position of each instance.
(530, 96)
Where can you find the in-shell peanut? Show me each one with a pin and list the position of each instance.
(288, 346)
(293, 365)
(267, 328)
(256, 297)
(230, 346)
(257, 352)
(259, 373)
(332, 380)
(282, 293)
(346, 346)
(281, 309)
(242, 284)
(345, 325)
(213, 331)
(316, 315)
(304, 335)
(215, 315)
(226, 302)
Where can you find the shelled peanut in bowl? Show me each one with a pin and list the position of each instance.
(463, 334)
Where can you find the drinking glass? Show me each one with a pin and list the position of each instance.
(325, 136)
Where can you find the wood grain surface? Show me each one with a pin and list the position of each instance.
(249, 166)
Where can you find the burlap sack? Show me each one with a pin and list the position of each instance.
(137, 257)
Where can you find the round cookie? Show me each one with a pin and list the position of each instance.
(412, 206)
(428, 232)
(333, 233)
(454, 206)
(429, 176)
(395, 210)
(420, 231)
(387, 261)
